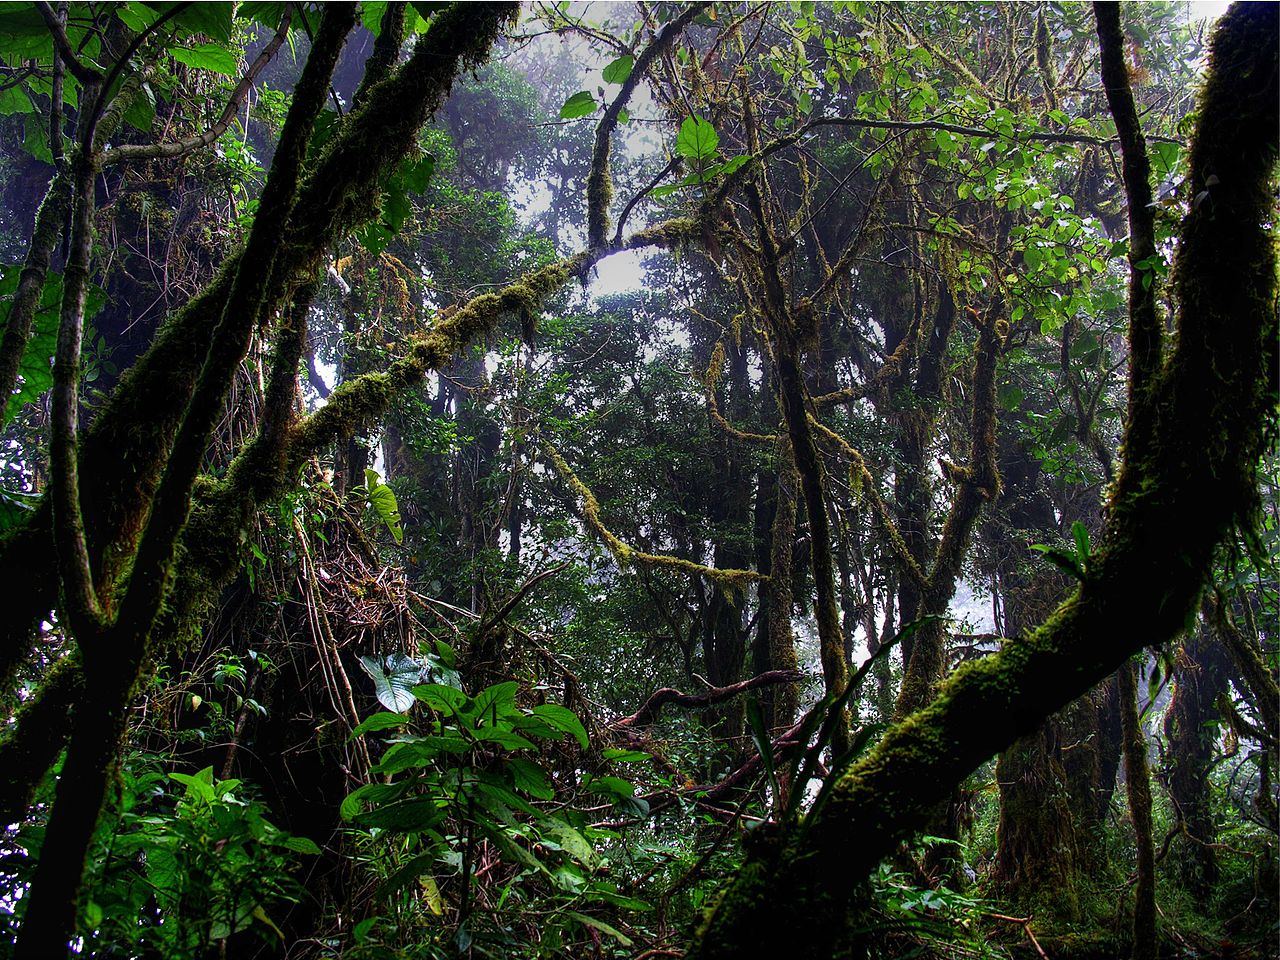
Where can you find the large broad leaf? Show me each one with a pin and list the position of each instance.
(440, 697)
(562, 719)
(570, 841)
(379, 721)
(697, 139)
(406, 816)
(394, 680)
(529, 778)
(581, 104)
(493, 702)
(600, 925)
(382, 500)
(619, 70)
(207, 56)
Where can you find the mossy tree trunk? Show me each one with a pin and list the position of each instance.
(1191, 726)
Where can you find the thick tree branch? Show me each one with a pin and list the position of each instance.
(599, 184)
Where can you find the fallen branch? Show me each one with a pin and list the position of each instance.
(1025, 923)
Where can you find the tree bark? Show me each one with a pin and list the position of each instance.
(1137, 776)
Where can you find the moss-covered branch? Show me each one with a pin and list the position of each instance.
(710, 381)
(1186, 480)
(599, 183)
(22, 310)
(1146, 333)
(727, 579)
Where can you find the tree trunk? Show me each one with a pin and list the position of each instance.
(1137, 777)
(1191, 727)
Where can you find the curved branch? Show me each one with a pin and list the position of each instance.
(179, 148)
(599, 185)
(726, 579)
(649, 711)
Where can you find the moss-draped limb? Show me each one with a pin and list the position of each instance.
(22, 311)
(709, 382)
(125, 449)
(386, 48)
(1137, 776)
(362, 400)
(1145, 330)
(727, 579)
(1247, 657)
(599, 183)
(31, 743)
(1186, 480)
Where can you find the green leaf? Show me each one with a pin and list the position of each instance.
(612, 786)
(354, 802)
(625, 756)
(697, 139)
(413, 815)
(503, 737)
(199, 786)
(379, 721)
(267, 14)
(493, 702)
(529, 777)
(34, 367)
(764, 745)
(1080, 534)
(619, 70)
(211, 19)
(394, 685)
(206, 56)
(141, 114)
(581, 104)
(441, 698)
(600, 925)
(14, 100)
(382, 500)
(301, 845)
(562, 719)
(371, 12)
(1060, 558)
(570, 841)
